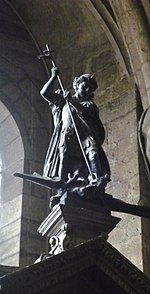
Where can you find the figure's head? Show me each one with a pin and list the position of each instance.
(85, 84)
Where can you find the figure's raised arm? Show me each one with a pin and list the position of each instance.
(47, 91)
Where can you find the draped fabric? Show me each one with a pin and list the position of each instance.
(90, 130)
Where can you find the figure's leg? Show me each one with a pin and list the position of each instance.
(63, 167)
(100, 169)
(98, 162)
(95, 164)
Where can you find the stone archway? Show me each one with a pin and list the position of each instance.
(21, 78)
(81, 40)
(12, 158)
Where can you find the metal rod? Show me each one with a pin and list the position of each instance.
(78, 138)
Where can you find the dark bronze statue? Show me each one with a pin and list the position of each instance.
(76, 165)
(75, 150)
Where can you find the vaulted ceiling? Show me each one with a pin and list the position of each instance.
(78, 31)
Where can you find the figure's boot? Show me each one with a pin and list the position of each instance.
(95, 165)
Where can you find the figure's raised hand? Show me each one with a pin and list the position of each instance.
(67, 94)
(54, 72)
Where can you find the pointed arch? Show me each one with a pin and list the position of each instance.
(11, 159)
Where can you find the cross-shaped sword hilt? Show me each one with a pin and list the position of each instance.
(46, 53)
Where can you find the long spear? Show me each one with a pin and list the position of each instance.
(48, 54)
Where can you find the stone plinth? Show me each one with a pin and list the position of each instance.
(92, 267)
(67, 226)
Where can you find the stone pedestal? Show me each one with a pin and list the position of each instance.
(69, 225)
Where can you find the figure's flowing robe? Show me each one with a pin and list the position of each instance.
(90, 129)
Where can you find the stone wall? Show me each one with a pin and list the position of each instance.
(120, 118)
(24, 133)
(80, 38)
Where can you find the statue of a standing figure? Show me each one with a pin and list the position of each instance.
(75, 152)
(76, 164)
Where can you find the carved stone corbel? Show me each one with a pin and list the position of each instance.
(64, 240)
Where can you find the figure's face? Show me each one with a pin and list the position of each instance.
(83, 88)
